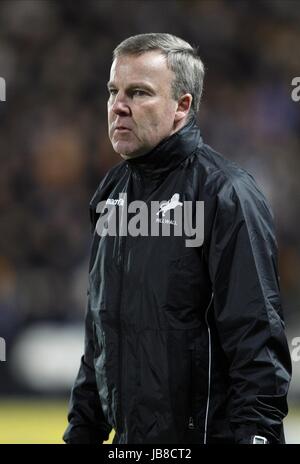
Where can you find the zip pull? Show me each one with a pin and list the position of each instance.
(191, 423)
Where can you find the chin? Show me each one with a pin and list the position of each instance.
(125, 150)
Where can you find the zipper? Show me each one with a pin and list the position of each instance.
(191, 425)
(120, 339)
(209, 370)
(191, 422)
(122, 239)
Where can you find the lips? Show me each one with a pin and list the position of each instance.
(122, 128)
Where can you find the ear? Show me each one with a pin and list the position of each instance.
(183, 107)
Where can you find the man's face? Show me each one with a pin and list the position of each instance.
(141, 109)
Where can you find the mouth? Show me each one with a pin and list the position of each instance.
(122, 129)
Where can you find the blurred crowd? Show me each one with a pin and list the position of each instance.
(55, 57)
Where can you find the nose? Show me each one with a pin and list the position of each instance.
(120, 106)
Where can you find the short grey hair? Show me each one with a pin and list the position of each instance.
(181, 58)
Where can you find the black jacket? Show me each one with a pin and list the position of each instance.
(183, 344)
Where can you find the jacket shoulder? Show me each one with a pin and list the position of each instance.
(226, 180)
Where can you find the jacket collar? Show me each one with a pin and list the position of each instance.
(169, 152)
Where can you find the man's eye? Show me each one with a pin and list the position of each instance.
(139, 92)
(112, 91)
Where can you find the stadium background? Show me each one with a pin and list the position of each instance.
(55, 57)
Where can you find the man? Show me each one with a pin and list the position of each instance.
(184, 344)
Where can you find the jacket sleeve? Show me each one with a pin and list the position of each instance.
(87, 423)
(247, 310)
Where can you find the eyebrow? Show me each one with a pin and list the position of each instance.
(134, 85)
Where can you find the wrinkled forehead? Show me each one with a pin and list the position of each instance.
(150, 66)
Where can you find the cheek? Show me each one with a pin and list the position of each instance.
(162, 119)
(153, 115)
(154, 120)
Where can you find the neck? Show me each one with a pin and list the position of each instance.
(180, 124)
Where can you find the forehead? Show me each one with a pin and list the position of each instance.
(150, 66)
